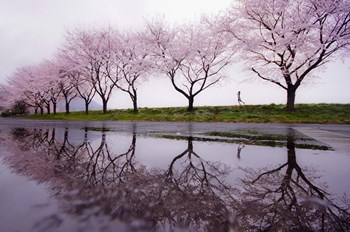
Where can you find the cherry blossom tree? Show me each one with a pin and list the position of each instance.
(284, 42)
(10, 105)
(55, 97)
(65, 85)
(45, 98)
(208, 53)
(7, 96)
(84, 88)
(47, 73)
(23, 86)
(67, 88)
(92, 51)
(133, 59)
(38, 86)
(163, 42)
(78, 75)
(192, 56)
(3, 93)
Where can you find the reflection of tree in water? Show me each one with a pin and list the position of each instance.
(191, 193)
(194, 173)
(99, 165)
(61, 150)
(83, 176)
(287, 199)
(239, 150)
(198, 195)
(162, 200)
(31, 139)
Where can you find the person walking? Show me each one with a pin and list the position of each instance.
(239, 98)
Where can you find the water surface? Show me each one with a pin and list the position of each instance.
(57, 176)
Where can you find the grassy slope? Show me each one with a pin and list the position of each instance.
(305, 113)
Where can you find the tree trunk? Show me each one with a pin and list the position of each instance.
(104, 103)
(35, 110)
(135, 106)
(291, 99)
(54, 107)
(134, 101)
(67, 107)
(190, 104)
(48, 108)
(41, 110)
(86, 107)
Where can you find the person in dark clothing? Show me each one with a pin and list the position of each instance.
(239, 98)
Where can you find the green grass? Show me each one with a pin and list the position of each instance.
(305, 113)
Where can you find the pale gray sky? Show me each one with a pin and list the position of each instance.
(33, 29)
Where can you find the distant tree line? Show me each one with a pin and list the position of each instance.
(279, 41)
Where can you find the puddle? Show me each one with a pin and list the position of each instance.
(91, 178)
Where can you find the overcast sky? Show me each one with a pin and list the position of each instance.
(33, 29)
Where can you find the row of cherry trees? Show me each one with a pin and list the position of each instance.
(281, 41)
(96, 62)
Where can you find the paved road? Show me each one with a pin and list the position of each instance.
(336, 136)
(337, 140)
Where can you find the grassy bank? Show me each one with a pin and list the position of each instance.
(305, 113)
